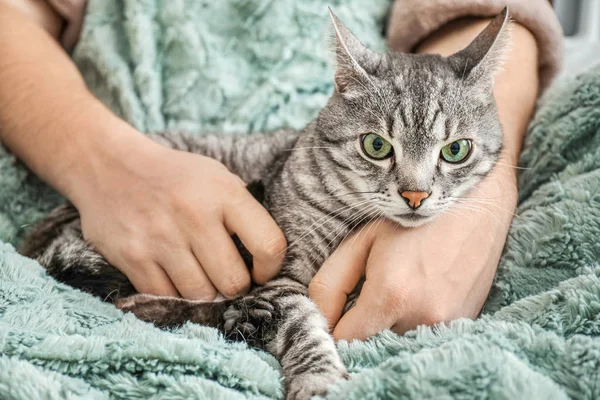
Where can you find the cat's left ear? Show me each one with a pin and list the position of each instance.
(352, 57)
(484, 57)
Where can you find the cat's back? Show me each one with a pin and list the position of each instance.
(247, 156)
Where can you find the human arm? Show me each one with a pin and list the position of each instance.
(156, 214)
(437, 272)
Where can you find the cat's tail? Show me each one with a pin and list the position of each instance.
(57, 244)
(170, 312)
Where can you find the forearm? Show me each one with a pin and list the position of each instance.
(48, 118)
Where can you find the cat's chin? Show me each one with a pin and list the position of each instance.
(412, 220)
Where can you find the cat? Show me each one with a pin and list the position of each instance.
(401, 137)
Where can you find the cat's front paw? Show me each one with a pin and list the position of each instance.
(305, 386)
(249, 319)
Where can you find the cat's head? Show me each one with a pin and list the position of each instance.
(413, 132)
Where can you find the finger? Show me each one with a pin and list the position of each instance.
(338, 277)
(260, 234)
(222, 263)
(367, 318)
(151, 279)
(188, 276)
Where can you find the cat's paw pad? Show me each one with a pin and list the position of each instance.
(246, 318)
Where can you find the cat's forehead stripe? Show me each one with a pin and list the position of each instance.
(433, 115)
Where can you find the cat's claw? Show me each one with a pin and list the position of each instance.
(246, 317)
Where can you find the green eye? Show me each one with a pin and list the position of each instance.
(376, 147)
(456, 152)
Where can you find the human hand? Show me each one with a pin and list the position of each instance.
(438, 272)
(165, 219)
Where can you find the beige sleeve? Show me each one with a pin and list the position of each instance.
(72, 12)
(411, 21)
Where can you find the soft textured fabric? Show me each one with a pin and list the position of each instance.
(412, 21)
(174, 64)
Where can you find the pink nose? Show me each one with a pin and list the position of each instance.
(414, 199)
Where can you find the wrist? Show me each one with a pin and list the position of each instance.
(105, 157)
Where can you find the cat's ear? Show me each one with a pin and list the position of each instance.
(351, 55)
(484, 57)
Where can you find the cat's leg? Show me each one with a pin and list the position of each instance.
(277, 317)
(169, 312)
(305, 349)
(58, 245)
(280, 318)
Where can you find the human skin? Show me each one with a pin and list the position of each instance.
(444, 270)
(156, 214)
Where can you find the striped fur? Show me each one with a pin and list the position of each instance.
(319, 186)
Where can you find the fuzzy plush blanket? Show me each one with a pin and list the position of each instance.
(250, 65)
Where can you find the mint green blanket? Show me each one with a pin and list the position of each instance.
(241, 66)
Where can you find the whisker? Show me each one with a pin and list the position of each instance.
(349, 193)
(347, 234)
(362, 216)
(479, 198)
(359, 233)
(328, 217)
(478, 210)
(308, 148)
(482, 202)
(512, 166)
(111, 293)
(376, 224)
(481, 191)
(455, 212)
(482, 210)
(337, 196)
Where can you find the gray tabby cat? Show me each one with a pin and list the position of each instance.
(402, 137)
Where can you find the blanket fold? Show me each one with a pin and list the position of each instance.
(242, 66)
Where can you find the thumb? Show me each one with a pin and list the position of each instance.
(339, 275)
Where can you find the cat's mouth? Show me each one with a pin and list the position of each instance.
(413, 219)
(412, 216)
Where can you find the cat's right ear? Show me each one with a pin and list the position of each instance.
(484, 57)
(350, 54)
